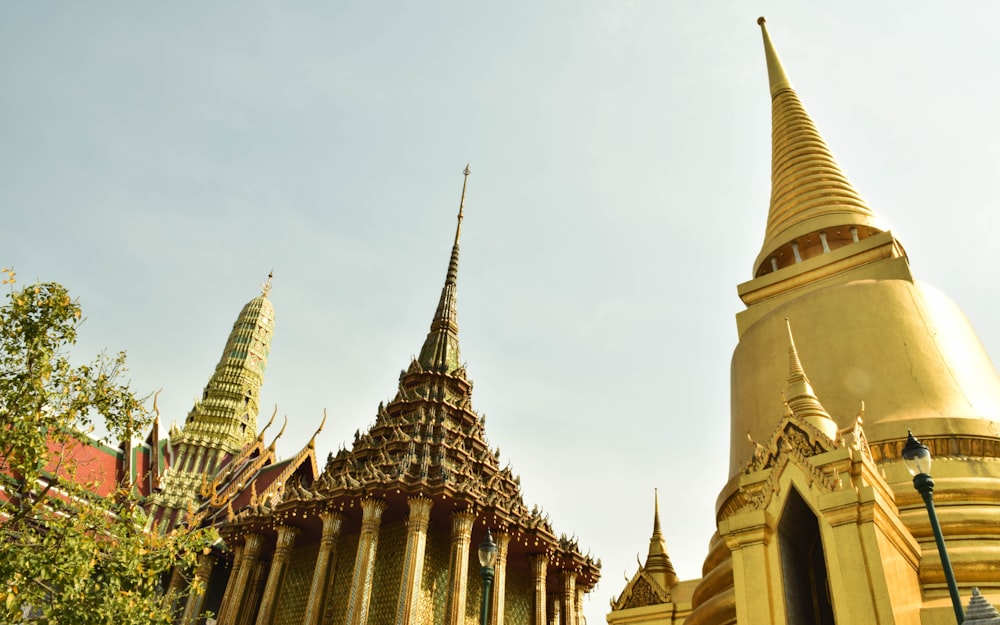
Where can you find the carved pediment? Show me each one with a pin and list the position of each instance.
(640, 592)
(792, 436)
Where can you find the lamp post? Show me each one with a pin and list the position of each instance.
(917, 459)
(487, 554)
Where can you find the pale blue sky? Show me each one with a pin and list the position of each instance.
(159, 160)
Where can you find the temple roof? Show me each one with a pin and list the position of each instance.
(429, 442)
(651, 584)
(657, 561)
(809, 192)
(428, 439)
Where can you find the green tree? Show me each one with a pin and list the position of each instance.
(67, 554)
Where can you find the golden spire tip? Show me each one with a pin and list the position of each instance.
(461, 204)
(775, 72)
(265, 289)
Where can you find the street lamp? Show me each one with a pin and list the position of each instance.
(917, 459)
(487, 554)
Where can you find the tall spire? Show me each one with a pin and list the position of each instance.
(657, 561)
(800, 398)
(810, 194)
(440, 351)
(226, 417)
(224, 421)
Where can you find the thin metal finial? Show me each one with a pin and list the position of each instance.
(265, 289)
(656, 512)
(776, 75)
(795, 365)
(461, 203)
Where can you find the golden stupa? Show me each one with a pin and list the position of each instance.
(841, 350)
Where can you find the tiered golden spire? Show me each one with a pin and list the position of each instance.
(657, 561)
(800, 399)
(809, 192)
(440, 350)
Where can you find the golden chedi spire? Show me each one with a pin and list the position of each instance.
(799, 396)
(879, 335)
(875, 334)
(814, 208)
(440, 351)
(658, 563)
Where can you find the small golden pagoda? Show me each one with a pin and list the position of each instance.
(819, 521)
(388, 531)
(654, 593)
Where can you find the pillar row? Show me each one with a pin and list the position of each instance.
(413, 560)
(238, 587)
(279, 564)
(227, 595)
(499, 579)
(364, 562)
(539, 568)
(196, 593)
(326, 564)
(569, 597)
(458, 567)
(251, 597)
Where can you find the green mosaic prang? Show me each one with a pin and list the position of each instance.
(224, 420)
(294, 592)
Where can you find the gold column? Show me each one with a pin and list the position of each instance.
(251, 597)
(326, 564)
(499, 579)
(196, 592)
(458, 569)
(579, 605)
(176, 581)
(364, 562)
(238, 582)
(569, 597)
(227, 595)
(539, 564)
(413, 560)
(282, 549)
(174, 588)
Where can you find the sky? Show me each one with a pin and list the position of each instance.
(160, 159)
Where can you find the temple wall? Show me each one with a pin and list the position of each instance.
(517, 607)
(388, 573)
(294, 593)
(434, 585)
(334, 610)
